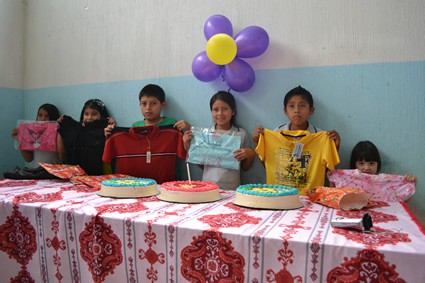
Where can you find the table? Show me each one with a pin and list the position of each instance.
(56, 231)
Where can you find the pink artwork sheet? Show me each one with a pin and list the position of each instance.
(39, 136)
(382, 187)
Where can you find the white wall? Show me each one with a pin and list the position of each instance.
(12, 43)
(12, 22)
(81, 41)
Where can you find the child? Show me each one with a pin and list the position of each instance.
(298, 106)
(83, 141)
(152, 102)
(366, 160)
(223, 108)
(365, 157)
(46, 112)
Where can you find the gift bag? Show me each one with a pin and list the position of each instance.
(38, 135)
(339, 198)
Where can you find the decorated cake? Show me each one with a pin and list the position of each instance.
(189, 191)
(128, 188)
(267, 196)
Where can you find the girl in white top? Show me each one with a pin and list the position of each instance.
(46, 112)
(223, 109)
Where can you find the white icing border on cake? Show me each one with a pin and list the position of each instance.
(128, 191)
(268, 202)
(285, 202)
(189, 196)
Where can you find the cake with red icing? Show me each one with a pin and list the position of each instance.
(189, 191)
(128, 188)
(267, 196)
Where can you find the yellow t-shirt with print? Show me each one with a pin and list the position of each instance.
(304, 170)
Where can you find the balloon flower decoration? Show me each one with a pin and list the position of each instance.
(224, 52)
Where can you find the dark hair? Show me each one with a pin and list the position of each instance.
(367, 151)
(51, 110)
(228, 98)
(95, 104)
(299, 90)
(153, 90)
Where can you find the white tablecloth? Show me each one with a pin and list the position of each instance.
(55, 231)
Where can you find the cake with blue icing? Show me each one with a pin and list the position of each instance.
(267, 196)
(128, 188)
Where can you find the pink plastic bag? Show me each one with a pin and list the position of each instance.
(382, 187)
(38, 136)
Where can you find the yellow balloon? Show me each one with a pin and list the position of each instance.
(221, 49)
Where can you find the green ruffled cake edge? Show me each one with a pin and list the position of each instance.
(282, 190)
(144, 181)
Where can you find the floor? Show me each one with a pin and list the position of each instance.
(418, 214)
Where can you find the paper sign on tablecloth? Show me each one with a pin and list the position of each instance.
(209, 147)
(37, 135)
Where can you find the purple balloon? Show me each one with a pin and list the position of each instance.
(239, 75)
(217, 24)
(252, 42)
(205, 70)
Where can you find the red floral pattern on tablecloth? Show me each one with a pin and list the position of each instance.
(35, 197)
(377, 217)
(151, 255)
(316, 245)
(285, 258)
(297, 223)
(18, 241)
(79, 188)
(230, 220)
(100, 248)
(136, 206)
(377, 238)
(211, 258)
(17, 183)
(23, 276)
(17, 237)
(56, 244)
(239, 208)
(369, 266)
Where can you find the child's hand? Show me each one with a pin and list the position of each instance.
(410, 178)
(111, 121)
(334, 135)
(187, 137)
(243, 153)
(108, 130)
(256, 135)
(60, 119)
(15, 133)
(182, 125)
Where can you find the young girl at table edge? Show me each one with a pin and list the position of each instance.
(223, 109)
(46, 112)
(366, 158)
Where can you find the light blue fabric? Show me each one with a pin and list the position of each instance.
(211, 148)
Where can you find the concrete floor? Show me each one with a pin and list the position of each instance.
(419, 215)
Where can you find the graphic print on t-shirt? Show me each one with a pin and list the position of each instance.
(290, 170)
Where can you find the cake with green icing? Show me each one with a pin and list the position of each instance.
(267, 196)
